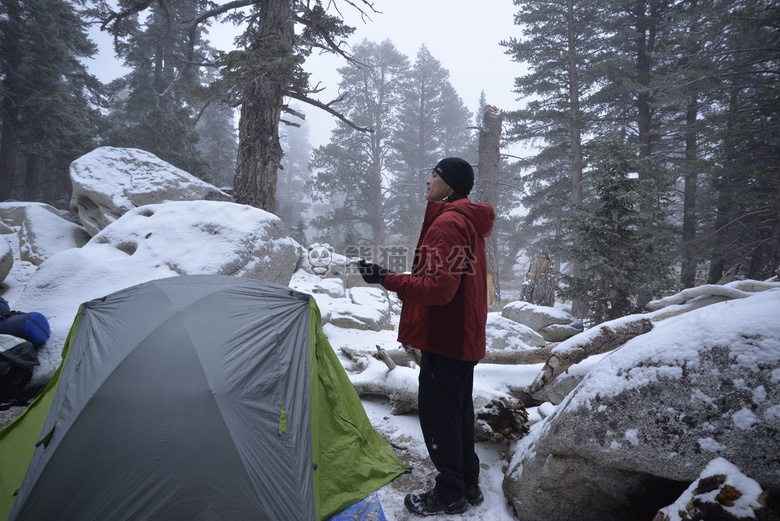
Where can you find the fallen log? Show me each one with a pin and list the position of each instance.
(735, 290)
(498, 416)
(601, 339)
(527, 356)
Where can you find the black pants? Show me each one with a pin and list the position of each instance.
(446, 410)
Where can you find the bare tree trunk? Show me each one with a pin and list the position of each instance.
(32, 177)
(579, 308)
(7, 154)
(259, 150)
(689, 250)
(378, 224)
(645, 41)
(540, 281)
(721, 225)
(487, 191)
(688, 267)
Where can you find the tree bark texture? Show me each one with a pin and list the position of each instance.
(378, 221)
(487, 191)
(579, 308)
(32, 177)
(540, 282)
(7, 154)
(260, 152)
(688, 267)
(724, 189)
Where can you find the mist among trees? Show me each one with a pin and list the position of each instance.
(654, 129)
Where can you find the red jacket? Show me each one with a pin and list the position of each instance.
(445, 298)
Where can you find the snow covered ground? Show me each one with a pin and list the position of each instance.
(402, 431)
(77, 283)
(404, 435)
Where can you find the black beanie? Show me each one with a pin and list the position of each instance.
(457, 173)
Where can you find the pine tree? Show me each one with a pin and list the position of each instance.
(50, 103)
(266, 69)
(293, 198)
(150, 110)
(433, 123)
(217, 133)
(619, 249)
(218, 142)
(350, 169)
(745, 183)
(562, 44)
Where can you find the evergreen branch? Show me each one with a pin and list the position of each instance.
(327, 108)
(331, 46)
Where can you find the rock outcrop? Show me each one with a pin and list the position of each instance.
(157, 241)
(108, 182)
(652, 414)
(553, 324)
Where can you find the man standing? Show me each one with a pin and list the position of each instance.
(444, 315)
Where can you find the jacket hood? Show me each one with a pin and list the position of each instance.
(481, 215)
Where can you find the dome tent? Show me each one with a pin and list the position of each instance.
(194, 397)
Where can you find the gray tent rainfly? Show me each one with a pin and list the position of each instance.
(196, 397)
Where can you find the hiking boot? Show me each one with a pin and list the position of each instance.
(474, 495)
(427, 504)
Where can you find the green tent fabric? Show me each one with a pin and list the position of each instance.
(196, 397)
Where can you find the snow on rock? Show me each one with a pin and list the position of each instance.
(504, 334)
(722, 491)
(655, 412)
(43, 234)
(108, 182)
(555, 325)
(364, 309)
(6, 259)
(41, 230)
(153, 242)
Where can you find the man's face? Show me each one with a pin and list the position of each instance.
(436, 189)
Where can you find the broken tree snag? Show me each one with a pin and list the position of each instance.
(607, 339)
(487, 191)
(730, 275)
(539, 285)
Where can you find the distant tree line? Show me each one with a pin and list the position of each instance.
(653, 126)
(657, 124)
(177, 100)
(374, 182)
(54, 110)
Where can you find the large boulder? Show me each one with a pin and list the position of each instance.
(41, 230)
(108, 182)
(650, 416)
(367, 309)
(157, 241)
(506, 335)
(342, 304)
(555, 325)
(43, 234)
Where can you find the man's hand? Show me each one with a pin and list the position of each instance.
(372, 273)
